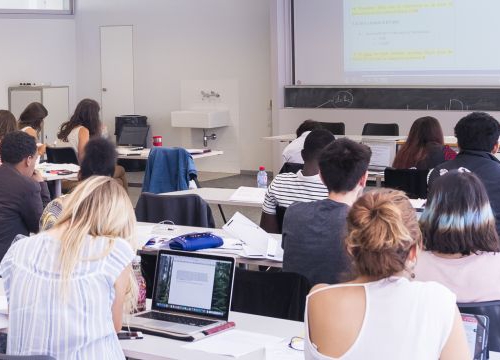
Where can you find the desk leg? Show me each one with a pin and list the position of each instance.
(57, 188)
(378, 180)
(222, 213)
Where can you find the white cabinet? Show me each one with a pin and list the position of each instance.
(54, 98)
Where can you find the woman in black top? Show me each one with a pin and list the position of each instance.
(424, 148)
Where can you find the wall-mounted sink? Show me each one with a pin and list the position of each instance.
(204, 119)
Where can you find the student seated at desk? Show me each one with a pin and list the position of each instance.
(313, 232)
(460, 239)
(100, 159)
(303, 186)
(31, 122)
(83, 125)
(67, 288)
(382, 314)
(292, 153)
(477, 136)
(23, 193)
(424, 148)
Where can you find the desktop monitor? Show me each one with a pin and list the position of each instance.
(133, 135)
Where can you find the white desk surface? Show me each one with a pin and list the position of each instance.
(217, 196)
(143, 234)
(45, 168)
(144, 153)
(158, 348)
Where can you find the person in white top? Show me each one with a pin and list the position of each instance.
(304, 186)
(460, 238)
(292, 152)
(382, 314)
(68, 288)
(31, 122)
(83, 125)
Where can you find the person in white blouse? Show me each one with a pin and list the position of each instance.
(292, 152)
(381, 314)
(67, 288)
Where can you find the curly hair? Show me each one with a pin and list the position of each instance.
(17, 146)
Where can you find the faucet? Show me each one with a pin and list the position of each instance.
(209, 94)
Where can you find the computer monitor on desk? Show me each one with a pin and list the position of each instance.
(383, 153)
(133, 135)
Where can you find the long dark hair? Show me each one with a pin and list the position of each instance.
(458, 217)
(8, 123)
(86, 114)
(425, 131)
(33, 116)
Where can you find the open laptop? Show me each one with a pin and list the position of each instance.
(476, 330)
(133, 136)
(383, 153)
(192, 293)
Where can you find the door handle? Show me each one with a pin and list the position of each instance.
(104, 89)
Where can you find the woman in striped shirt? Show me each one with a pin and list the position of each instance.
(68, 287)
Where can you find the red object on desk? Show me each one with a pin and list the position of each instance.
(157, 141)
(226, 326)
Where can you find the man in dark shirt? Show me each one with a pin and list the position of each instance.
(477, 136)
(313, 232)
(23, 194)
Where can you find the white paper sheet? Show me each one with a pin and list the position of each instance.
(281, 351)
(249, 194)
(234, 343)
(255, 240)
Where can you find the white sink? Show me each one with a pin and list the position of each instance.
(205, 119)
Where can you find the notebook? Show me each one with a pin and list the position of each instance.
(192, 293)
(476, 330)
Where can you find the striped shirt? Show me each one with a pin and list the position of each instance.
(40, 321)
(288, 188)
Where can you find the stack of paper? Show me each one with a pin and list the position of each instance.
(249, 194)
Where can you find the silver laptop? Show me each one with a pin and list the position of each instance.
(192, 293)
(383, 153)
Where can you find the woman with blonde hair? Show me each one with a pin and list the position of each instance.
(381, 314)
(68, 287)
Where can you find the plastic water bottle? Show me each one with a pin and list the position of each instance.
(262, 178)
(141, 282)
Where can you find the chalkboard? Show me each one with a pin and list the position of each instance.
(465, 99)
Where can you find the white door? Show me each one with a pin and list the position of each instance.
(117, 73)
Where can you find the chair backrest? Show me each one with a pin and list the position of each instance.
(411, 181)
(490, 309)
(291, 167)
(380, 129)
(61, 155)
(188, 210)
(280, 214)
(336, 128)
(276, 294)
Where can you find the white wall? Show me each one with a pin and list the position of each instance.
(37, 50)
(181, 40)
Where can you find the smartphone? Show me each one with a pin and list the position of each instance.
(130, 335)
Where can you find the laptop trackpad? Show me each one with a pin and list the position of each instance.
(160, 324)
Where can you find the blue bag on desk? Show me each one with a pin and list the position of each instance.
(195, 241)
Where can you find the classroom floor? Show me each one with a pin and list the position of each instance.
(208, 179)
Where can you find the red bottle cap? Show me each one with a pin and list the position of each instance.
(261, 168)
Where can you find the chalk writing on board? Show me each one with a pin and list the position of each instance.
(343, 99)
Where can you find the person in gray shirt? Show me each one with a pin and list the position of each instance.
(313, 232)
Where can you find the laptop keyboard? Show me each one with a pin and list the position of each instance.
(185, 320)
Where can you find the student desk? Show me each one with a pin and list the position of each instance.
(143, 233)
(217, 196)
(47, 176)
(144, 153)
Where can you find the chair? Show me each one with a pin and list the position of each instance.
(411, 181)
(492, 310)
(280, 214)
(188, 210)
(380, 129)
(61, 155)
(276, 294)
(336, 128)
(291, 167)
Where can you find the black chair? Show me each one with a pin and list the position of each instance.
(336, 128)
(291, 167)
(411, 181)
(380, 129)
(61, 155)
(188, 210)
(26, 357)
(280, 214)
(491, 309)
(275, 294)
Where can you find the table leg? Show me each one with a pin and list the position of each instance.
(57, 188)
(222, 213)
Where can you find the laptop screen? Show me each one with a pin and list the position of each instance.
(133, 135)
(383, 153)
(194, 283)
